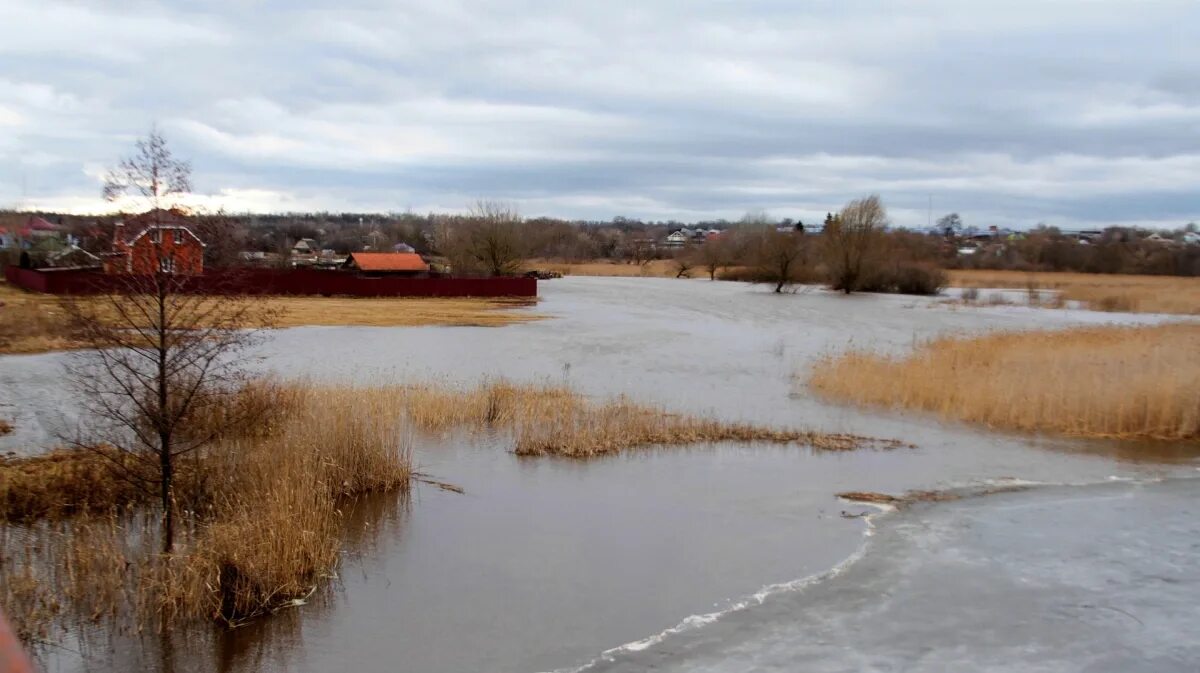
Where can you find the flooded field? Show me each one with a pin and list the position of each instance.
(725, 552)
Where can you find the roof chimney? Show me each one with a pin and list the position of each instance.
(118, 236)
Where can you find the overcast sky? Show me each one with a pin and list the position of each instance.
(1010, 113)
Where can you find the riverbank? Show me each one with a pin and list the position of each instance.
(34, 323)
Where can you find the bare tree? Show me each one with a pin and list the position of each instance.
(715, 254)
(160, 355)
(637, 248)
(850, 239)
(779, 257)
(492, 238)
(683, 261)
(487, 241)
(151, 172)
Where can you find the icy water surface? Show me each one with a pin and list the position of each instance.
(545, 564)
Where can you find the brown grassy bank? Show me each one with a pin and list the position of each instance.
(34, 323)
(658, 268)
(1101, 292)
(1122, 382)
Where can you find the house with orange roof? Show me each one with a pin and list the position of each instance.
(387, 264)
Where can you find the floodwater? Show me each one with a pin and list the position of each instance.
(722, 558)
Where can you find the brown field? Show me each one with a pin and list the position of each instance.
(34, 323)
(1120, 382)
(1102, 292)
(401, 311)
(658, 268)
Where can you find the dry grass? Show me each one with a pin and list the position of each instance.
(401, 311)
(1102, 382)
(1102, 292)
(555, 421)
(260, 510)
(34, 323)
(259, 522)
(658, 268)
(5, 427)
(63, 482)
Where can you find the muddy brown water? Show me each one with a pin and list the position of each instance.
(674, 557)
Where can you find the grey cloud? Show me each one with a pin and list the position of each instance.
(1017, 112)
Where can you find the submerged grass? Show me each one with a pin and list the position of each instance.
(261, 508)
(259, 521)
(1097, 291)
(1121, 382)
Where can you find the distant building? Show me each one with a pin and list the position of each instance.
(387, 264)
(305, 246)
(73, 257)
(162, 243)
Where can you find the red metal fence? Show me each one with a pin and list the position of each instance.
(283, 282)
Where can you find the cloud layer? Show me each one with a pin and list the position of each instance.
(1076, 113)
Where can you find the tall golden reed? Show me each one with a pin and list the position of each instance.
(1127, 382)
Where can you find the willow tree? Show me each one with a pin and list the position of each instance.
(851, 240)
(164, 363)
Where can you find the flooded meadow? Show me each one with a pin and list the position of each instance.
(714, 557)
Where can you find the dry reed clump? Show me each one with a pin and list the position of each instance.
(5, 427)
(259, 519)
(64, 481)
(1128, 382)
(556, 421)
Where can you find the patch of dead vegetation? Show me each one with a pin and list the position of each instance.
(260, 508)
(1118, 382)
(1097, 291)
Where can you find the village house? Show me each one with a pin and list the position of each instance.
(387, 264)
(305, 246)
(157, 241)
(36, 229)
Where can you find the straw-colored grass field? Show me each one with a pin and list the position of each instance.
(658, 268)
(1102, 292)
(1121, 382)
(34, 323)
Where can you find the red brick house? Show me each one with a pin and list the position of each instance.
(387, 264)
(157, 241)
